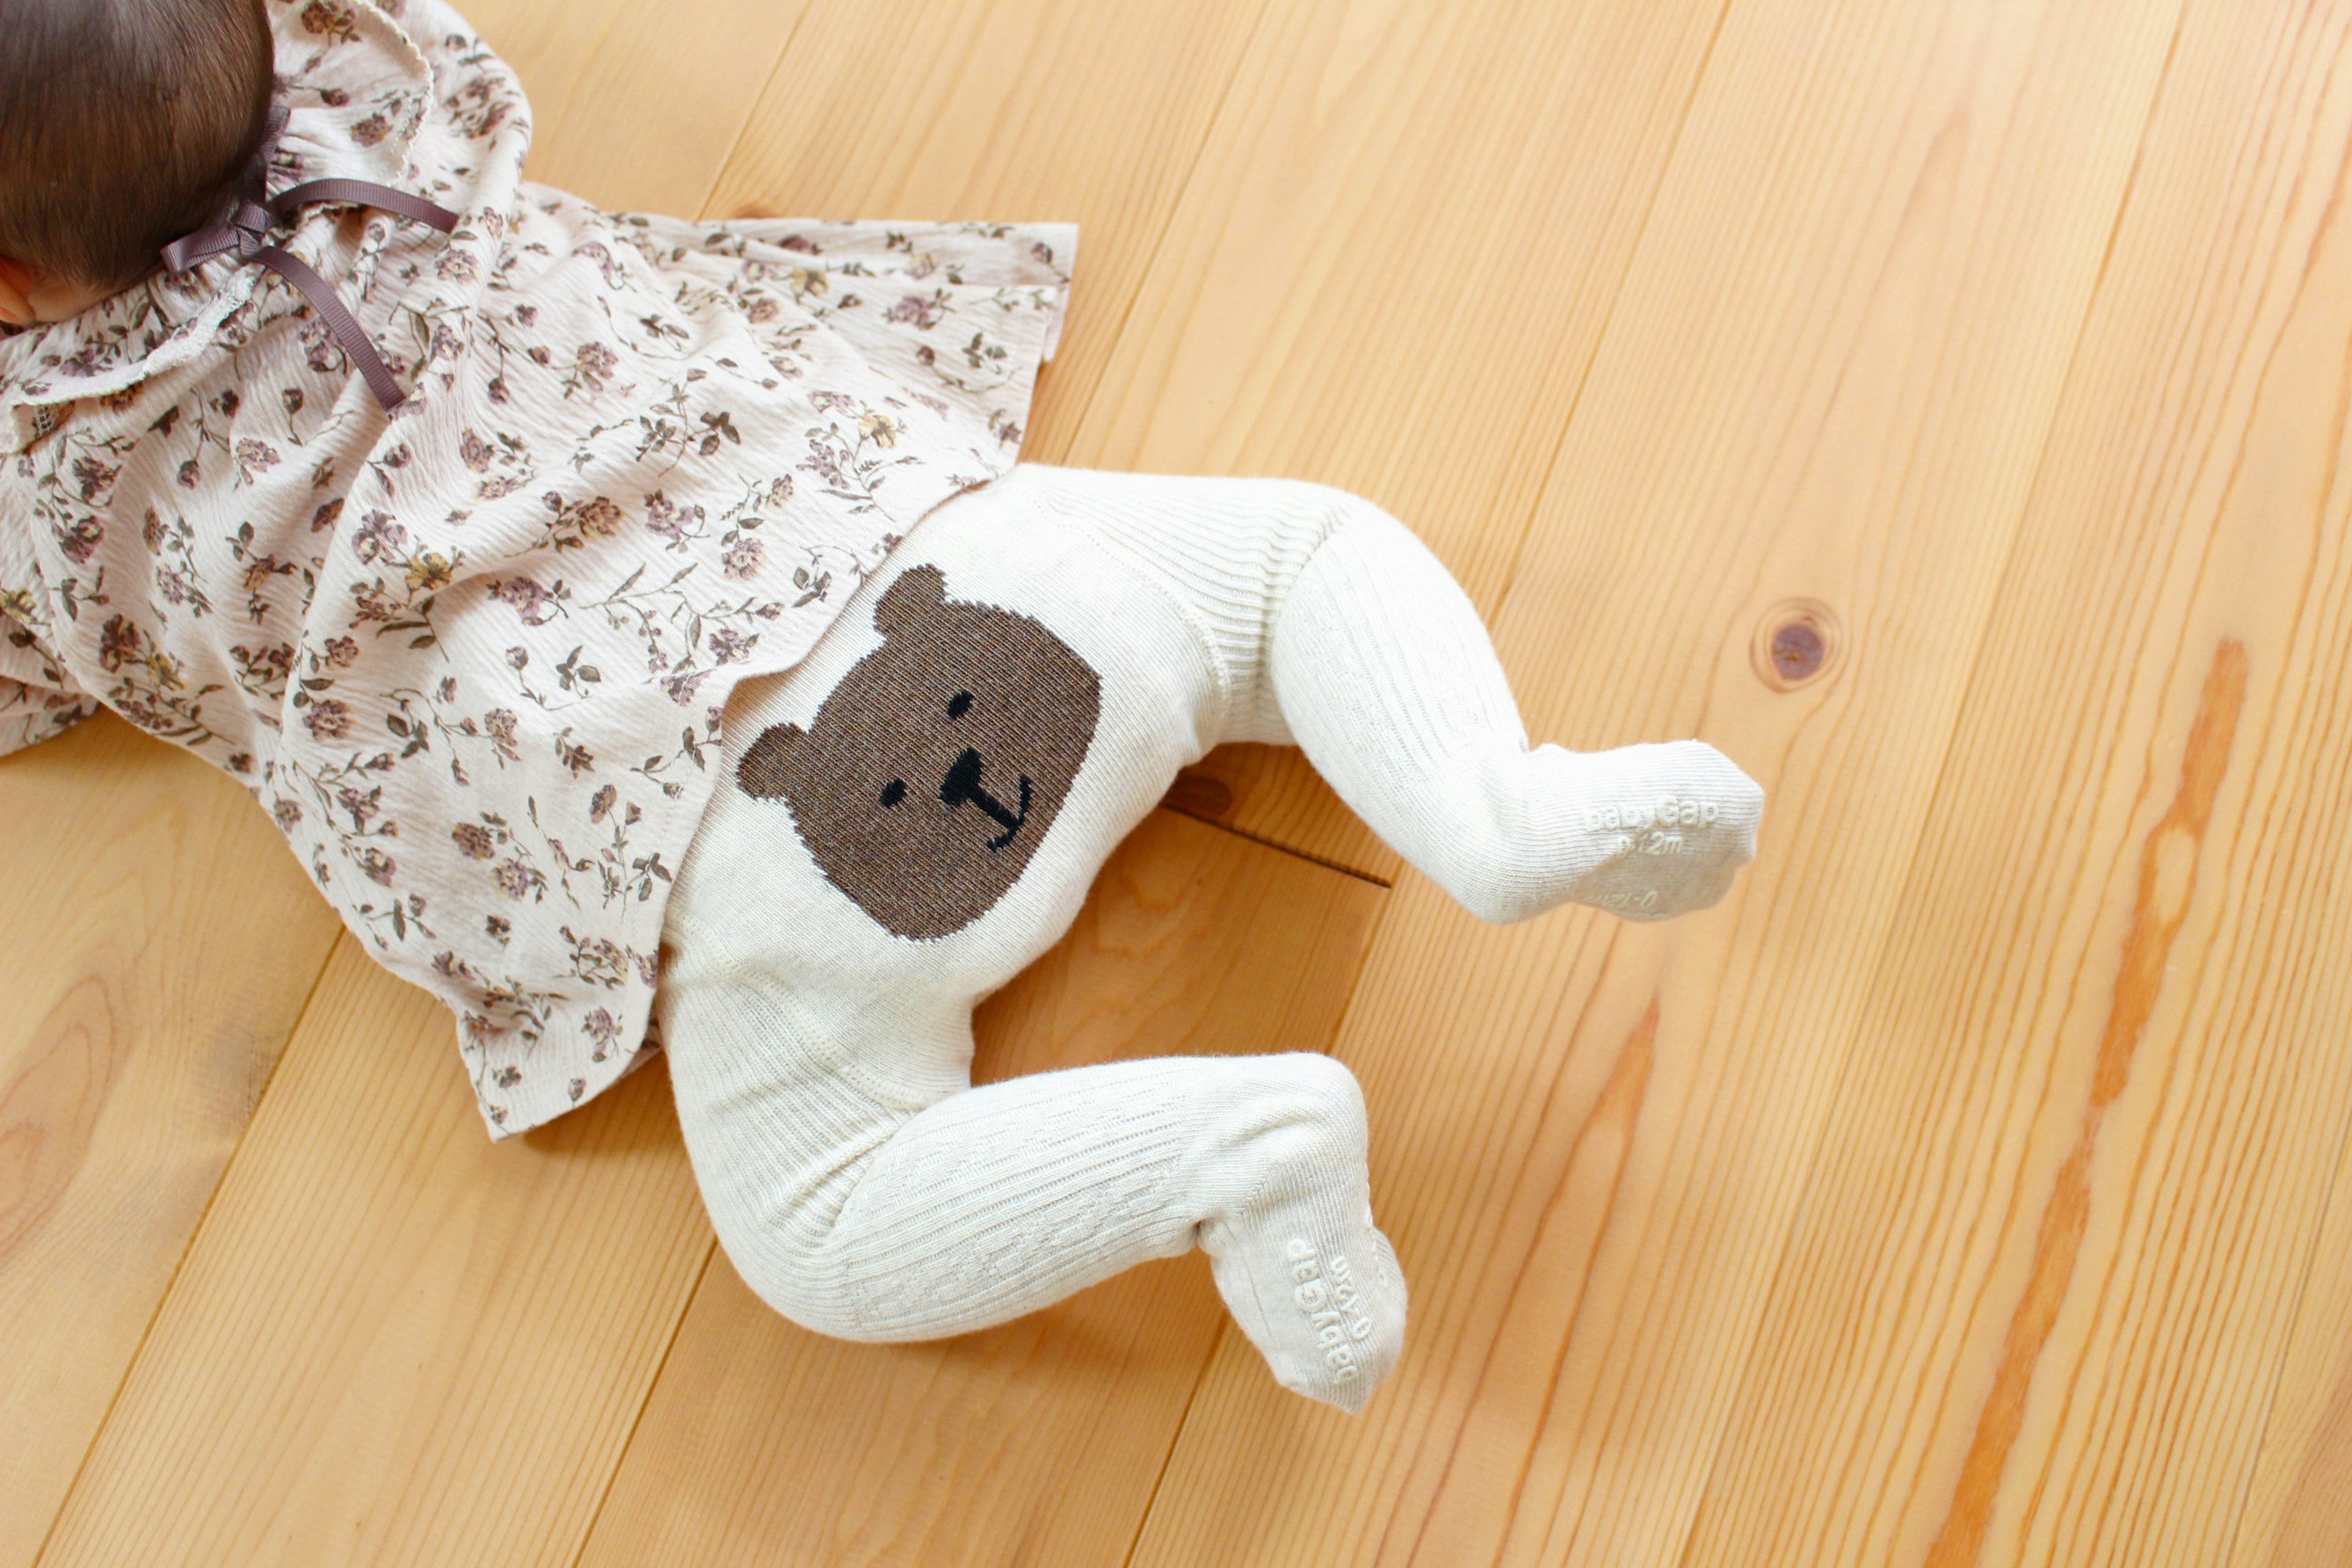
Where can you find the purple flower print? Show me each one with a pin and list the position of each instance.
(119, 642)
(728, 645)
(337, 24)
(94, 478)
(596, 518)
(79, 540)
(603, 1028)
(327, 720)
(531, 602)
(499, 723)
(743, 559)
(674, 522)
(920, 312)
(379, 534)
(592, 367)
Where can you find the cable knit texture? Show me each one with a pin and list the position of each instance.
(822, 1061)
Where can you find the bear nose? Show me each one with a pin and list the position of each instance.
(962, 783)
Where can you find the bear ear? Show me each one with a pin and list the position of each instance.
(765, 772)
(910, 601)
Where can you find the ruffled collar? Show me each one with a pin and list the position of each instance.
(355, 90)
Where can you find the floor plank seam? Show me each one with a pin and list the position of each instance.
(1275, 843)
(751, 117)
(1177, 194)
(1175, 1438)
(678, 1327)
(1493, 613)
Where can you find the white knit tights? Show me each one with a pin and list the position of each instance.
(821, 1063)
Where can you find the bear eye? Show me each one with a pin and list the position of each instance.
(894, 792)
(958, 704)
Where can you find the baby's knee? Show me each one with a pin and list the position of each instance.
(1313, 515)
(777, 1248)
(801, 1278)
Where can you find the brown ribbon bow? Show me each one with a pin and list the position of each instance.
(246, 230)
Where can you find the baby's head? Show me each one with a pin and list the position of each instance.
(123, 125)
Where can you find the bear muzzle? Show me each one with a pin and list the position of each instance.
(961, 784)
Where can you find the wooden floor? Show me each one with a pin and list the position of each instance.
(1972, 1187)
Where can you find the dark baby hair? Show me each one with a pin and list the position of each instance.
(123, 124)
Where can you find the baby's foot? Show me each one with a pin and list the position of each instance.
(1327, 1313)
(1301, 1267)
(1665, 827)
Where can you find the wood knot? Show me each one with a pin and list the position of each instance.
(1199, 794)
(1796, 641)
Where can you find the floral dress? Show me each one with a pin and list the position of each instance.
(472, 657)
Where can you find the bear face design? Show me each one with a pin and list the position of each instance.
(936, 766)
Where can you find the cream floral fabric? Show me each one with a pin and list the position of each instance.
(472, 657)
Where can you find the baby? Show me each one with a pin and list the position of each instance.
(635, 623)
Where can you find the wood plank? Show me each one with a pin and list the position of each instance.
(1827, 378)
(2298, 1511)
(1001, 111)
(395, 1341)
(633, 107)
(2050, 1259)
(1039, 1441)
(161, 942)
(1390, 273)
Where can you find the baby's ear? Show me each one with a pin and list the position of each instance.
(765, 772)
(17, 281)
(911, 600)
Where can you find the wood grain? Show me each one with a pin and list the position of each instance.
(161, 944)
(1390, 273)
(634, 103)
(2099, 1084)
(395, 1341)
(1836, 400)
(2298, 1510)
(1974, 1187)
(1039, 1441)
(1001, 111)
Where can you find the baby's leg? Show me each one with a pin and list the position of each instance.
(1384, 675)
(1335, 628)
(870, 1204)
